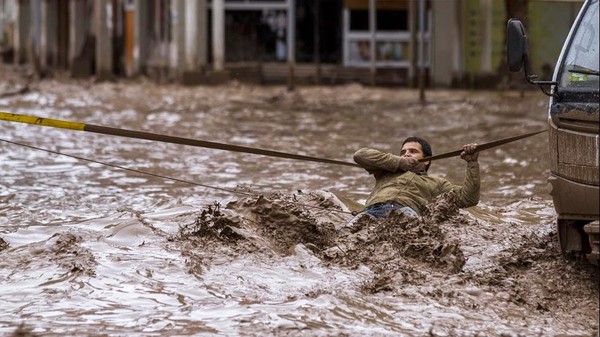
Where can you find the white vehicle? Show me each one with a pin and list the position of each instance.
(573, 118)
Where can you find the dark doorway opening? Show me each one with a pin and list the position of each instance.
(319, 31)
(261, 35)
(255, 36)
(62, 61)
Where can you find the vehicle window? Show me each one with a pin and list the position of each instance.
(580, 67)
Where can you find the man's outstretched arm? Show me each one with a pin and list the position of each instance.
(376, 161)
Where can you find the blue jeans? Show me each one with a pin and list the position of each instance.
(381, 211)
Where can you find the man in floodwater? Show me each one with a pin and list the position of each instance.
(402, 182)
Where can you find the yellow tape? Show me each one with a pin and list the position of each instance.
(55, 123)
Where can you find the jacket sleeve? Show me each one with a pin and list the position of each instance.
(468, 193)
(375, 161)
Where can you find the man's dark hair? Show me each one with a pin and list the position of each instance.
(424, 146)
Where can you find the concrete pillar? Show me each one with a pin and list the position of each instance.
(194, 42)
(291, 42)
(129, 37)
(413, 17)
(373, 41)
(486, 36)
(218, 35)
(195, 34)
(44, 27)
(4, 12)
(22, 30)
(202, 36)
(33, 39)
(422, 70)
(48, 34)
(177, 43)
(141, 8)
(191, 31)
(103, 28)
(218, 74)
(78, 29)
(445, 42)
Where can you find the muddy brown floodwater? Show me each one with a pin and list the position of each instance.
(257, 246)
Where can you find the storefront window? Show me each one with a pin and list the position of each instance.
(392, 35)
(360, 51)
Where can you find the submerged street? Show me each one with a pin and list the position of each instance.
(240, 244)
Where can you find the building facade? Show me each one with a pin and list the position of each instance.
(450, 42)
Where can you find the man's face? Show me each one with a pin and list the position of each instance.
(414, 150)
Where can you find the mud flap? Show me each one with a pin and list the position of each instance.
(569, 238)
(593, 231)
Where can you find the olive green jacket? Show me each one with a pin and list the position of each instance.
(411, 189)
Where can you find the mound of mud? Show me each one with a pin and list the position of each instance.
(399, 249)
(3, 244)
(534, 274)
(68, 254)
(23, 330)
(277, 222)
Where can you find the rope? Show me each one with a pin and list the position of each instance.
(62, 124)
(481, 147)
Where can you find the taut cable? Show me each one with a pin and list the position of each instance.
(62, 124)
(56, 123)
